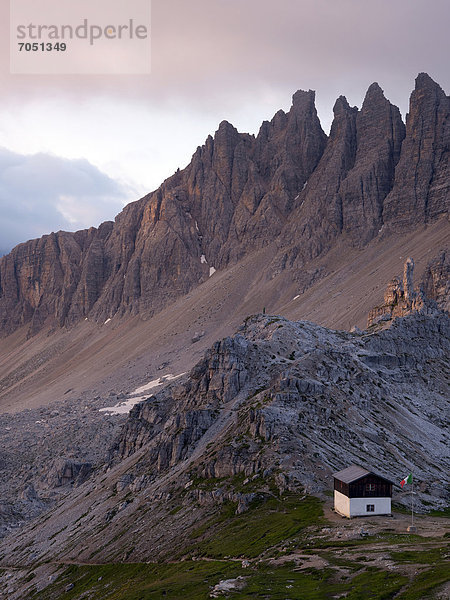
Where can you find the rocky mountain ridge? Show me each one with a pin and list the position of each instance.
(290, 185)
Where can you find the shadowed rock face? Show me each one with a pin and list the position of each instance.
(317, 219)
(346, 192)
(379, 135)
(290, 185)
(436, 280)
(422, 185)
(240, 190)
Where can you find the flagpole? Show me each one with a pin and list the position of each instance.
(412, 500)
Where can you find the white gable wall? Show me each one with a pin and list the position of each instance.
(341, 504)
(357, 507)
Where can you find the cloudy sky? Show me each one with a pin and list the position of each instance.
(75, 149)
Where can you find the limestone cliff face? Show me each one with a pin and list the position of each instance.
(318, 213)
(40, 279)
(290, 186)
(379, 135)
(234, 196)
(422, 184)
(346, 192)
(240, 190)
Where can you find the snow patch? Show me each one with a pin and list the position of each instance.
(298, 296)
(107, 321)
(135, 397)
(304, 185)
(123, 408)
(155, 383)
(212, 270)
(196, 227)
(203, 259)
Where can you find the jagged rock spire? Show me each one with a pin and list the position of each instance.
(408, 280)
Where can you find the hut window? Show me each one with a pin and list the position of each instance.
(370, 487)
(370, 508)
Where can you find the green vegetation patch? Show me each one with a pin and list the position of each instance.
(268, 522)
(279, 583)
(273, 526)
(235, 483)
(426, 583)
(400, 508)
(195, 580)
(335, 559)
(375, 585)
(430, 556)
(181, 581)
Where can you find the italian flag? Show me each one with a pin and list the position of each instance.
(408, 479)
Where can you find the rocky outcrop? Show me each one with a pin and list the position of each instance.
(401, 299)
(290, 186)
(28, 505)
(169, 426)
(318, 217)
(408, 277)
(295, 395)
(421, 189)
(378, 140)
(65, 471)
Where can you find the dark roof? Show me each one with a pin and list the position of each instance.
(351, 474)
(354, 472)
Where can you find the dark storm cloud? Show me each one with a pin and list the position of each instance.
(42, 193)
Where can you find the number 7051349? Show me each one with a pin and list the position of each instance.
(42, 47)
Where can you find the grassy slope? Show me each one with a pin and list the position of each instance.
(273, 528)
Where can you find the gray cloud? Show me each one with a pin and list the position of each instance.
(214, 54)
(41, 193)
(223, 51)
